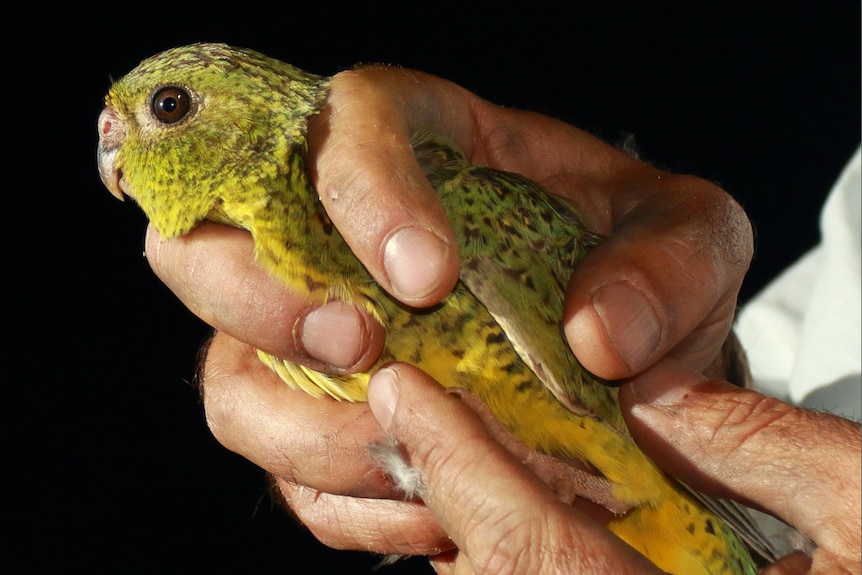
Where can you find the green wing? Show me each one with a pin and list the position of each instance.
(519, 246)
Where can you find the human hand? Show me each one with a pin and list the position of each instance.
(664, 282)
(680, 242)
(800, 465)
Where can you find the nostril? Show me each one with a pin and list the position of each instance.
(111, 129)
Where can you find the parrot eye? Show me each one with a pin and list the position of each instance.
(171, 104)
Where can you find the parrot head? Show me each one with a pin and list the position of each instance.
(194, 132)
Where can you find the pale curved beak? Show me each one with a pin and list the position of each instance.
(112, 132)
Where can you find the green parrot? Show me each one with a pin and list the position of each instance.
(213, 132)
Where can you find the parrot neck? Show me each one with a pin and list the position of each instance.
(294, 238)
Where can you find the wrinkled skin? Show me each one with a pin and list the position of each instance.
(678, 243)
(503, 520)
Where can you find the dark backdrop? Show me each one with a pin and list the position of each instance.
(112, 468)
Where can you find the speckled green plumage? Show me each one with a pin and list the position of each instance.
(237, 157)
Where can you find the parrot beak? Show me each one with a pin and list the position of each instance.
(112, 132)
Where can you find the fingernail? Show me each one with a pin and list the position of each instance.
(383, 396)
(415, 259)
(630, 323)
(333, 334)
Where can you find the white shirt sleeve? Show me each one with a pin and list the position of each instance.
(803, 332)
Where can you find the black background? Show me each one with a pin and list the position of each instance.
(112, 468)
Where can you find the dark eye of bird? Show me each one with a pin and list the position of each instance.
(171, 104)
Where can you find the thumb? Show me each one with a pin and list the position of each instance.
(499, 514)
(800, 465)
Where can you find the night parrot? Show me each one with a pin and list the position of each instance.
(212, 132)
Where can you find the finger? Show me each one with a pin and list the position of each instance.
(801, 465)
(664, 282)
(211, 270)
(462, 566)
(374, 190)
(377, 525)
(497, 512)
(665, 279)
(793, 564)
(291, 434)
(445, 563)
